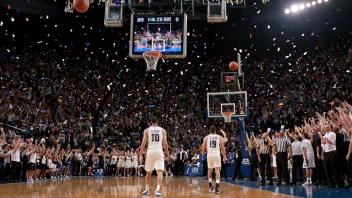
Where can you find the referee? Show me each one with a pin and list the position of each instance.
(263, 152)
(283, 145)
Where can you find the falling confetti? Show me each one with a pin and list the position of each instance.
(278, 49)
(268, 26)
(334, 28)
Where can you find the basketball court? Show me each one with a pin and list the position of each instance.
(107, 187)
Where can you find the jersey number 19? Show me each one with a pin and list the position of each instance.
(212, 144)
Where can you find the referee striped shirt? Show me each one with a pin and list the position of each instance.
(282, 144)
(264, 146)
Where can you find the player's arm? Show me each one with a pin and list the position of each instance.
(144, 141)
(258, 151)
(224, 134)
(349, 152)
(165, 145)
(304, 152)
(204, 146)
(222, 149)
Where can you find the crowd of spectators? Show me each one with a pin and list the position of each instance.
(74, 101)
(285, 90)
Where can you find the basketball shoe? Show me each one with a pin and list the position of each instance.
(158, 194)
(211, 189)
(217, 191)
(146, 192)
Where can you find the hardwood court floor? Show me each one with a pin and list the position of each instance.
(84, 187)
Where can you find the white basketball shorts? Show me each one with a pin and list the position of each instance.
(128, 164)
(311, 161)
(135, 164)
(155, 160)
(214, 161)
(121, 164)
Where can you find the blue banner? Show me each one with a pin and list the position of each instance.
(195, 169)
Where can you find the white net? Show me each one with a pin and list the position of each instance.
(151, 58)
(227, 115)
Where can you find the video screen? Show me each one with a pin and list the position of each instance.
(228, 78)
(161, 33)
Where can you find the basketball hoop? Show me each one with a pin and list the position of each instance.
(152, 58)
(227, 115)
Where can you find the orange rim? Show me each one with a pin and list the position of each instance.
(153, 53)
(227, 113)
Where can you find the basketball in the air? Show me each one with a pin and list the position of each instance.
(81, 5)
(233, 66)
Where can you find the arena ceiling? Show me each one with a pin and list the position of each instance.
(262, 26)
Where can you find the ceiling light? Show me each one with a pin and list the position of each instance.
(294, 8)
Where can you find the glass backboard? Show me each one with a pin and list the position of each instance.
(217, 102)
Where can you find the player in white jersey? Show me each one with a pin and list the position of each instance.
(121, 163)
(213, 144)
(308, 156)
(128, 163)
(156, 137)
(135, 162)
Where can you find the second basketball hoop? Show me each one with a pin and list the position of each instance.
(152, 58)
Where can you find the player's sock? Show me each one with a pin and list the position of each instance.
(210, 180)
(147, 187)
(158, 188)
(217, 181)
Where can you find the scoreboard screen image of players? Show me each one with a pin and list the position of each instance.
(163, 33)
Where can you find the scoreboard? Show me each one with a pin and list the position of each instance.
(164, 32)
